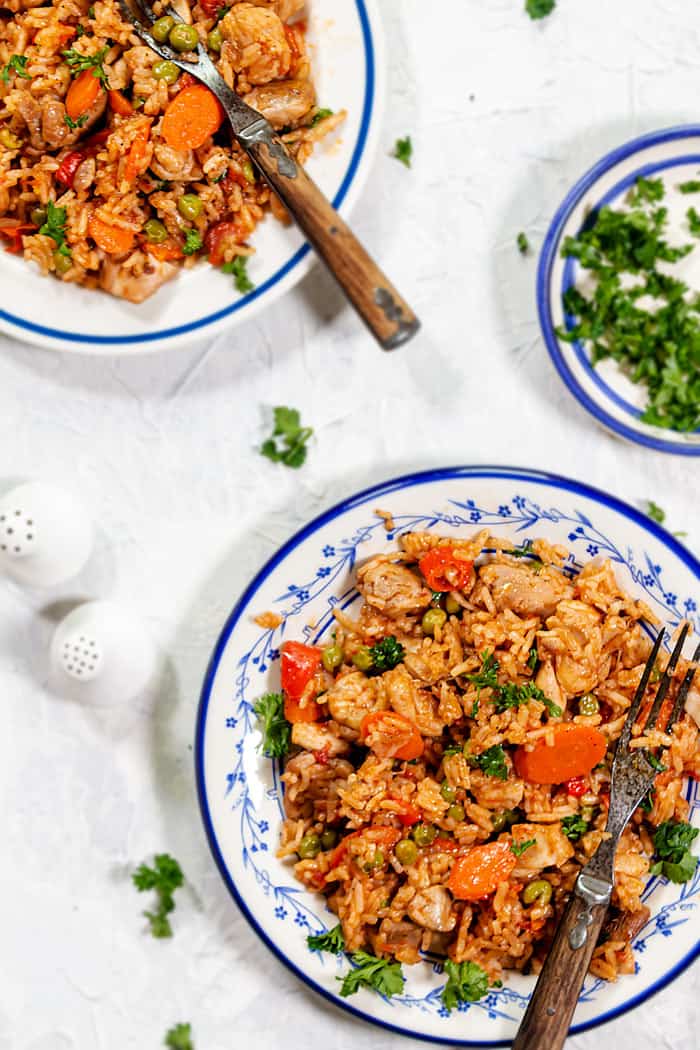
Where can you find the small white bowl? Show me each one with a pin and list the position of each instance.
(605, 391)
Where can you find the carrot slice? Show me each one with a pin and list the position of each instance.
(390, 735)
(166, 251)
(138, 156)
(386, 838)
(577, 749)
(111, 239)
(478, 873)
(294, 712)
(192, 116)
(82, 94)
(120, 104)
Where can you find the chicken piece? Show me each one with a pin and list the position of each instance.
(54, 130)
(400, 939)
(575, 637)
(523, 591)
(255, 43)
(550, 850)
(407, 699)
(171, 164)
(627, 925)
(546, 680)
(492, 793)
(311, 787)
(315, 737)
(432, 909)
(392, 588)
(692, 704)
(124, 283)
(283, 103)
(284, 9)
(353, 696)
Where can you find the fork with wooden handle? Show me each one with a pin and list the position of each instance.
(385, 312)
(548, 1016)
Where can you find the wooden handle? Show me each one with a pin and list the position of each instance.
(548, 1017)
(386, 313)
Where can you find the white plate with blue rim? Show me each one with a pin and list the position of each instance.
(240, 792)
(347, 51)
(604, 390)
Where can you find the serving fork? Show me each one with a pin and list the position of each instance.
(548, 1016)
(384, 311)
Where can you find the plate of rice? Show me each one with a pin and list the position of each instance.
(129, 218)
(404, 742)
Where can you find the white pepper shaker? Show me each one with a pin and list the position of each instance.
(46, 535)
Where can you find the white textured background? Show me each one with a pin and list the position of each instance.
(162, 449)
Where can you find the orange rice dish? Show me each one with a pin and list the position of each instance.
(116, 169)
(451, 747)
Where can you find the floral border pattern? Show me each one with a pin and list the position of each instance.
(336, 563)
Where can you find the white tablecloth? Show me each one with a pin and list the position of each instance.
(505, 114)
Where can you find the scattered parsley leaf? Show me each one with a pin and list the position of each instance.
(493, 762)
(672, 842)
(321, 115)
(647, 803)
(179, 1037)
(523, 244)
(164, 877)
(655, 512)
(384, 976)
(79, 62)
(386, 654)
(193, 242)
(79, 31)
(75, 123)
(518, 848)
(533, 659)
(239, 268)
(16, 65)
(403, 151)
(331, 941)
(647, 190)
(276, 730)
(289, 439)
(540, 8)
(692, 186)
(466, 983)
(574, 827)
(91, 12)
(55, 227)
(693, 221)
(487, 675)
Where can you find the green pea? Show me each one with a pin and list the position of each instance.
(9, 140)
(161, 28)
(248, 171)
(214, 40)
(329, 838)
(423, 834)
(433, 620)
(183, 37)
(165, 70)
(456, 812)
(38, 216)
(62, 263)
(332, 657)
(452, 605)
(376, 862)
(588, 705)
(499, 821)
(155, 231)
(406, 852)
(363, 659)
(448, 792)
(310, 846)
(539, 890)
(190, 206)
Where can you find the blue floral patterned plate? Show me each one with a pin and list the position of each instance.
(240, 792)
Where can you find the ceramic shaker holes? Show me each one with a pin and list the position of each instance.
(46, 536)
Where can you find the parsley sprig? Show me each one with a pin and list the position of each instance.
(574, 827)
(492, 762)
(540, 8)
(672, 842)
(655, 512)
(331, 941)
(386, 654)
(276, 730)
(403, 151)
(78, 62)
(179, 1037)
(466, 983)
(55, 227)
(371, 972)
(193, 242)
(16, 65)
(508, 694)
(289, 439)
(239, 268)
(164, 877)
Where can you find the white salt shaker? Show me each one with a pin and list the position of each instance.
(46, 536)
(100, 653)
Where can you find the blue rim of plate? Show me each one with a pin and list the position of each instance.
(385, 489)
(548, 258)
(291, 264)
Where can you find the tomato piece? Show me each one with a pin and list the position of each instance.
(577, 749)
(444, 570)
(12, 231)
(98, 139)
(479, 872)
(406, 813)
(390, 735)
(440, 845)
(217, 235)
(119, 104)
(576, 787)
(384, 838)
(69, 166)
(299, 664)
(138, 157)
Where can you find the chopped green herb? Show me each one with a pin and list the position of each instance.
(239, 268)
(386, 654)
(524, 552)
(79, 62)
(692, 186)
(647, 803)
(655, 763)
(518, 848)
(321, 115)
(289, 439)
(276, 730)
(75, 123)
(384, 976)
(221, 13)
(693, 221)
(533, 659)
(193, 242)
(672, 842)
(655, 512)
(179, 1037)
(331, 941)
(15, 65)
(453, 749)
(466, 983)
(510, 694)
(403, 150)
(493, 762)
(221, 176)
(91, 12)
(164, 877)
(540, 8)
(55, 227)
(647, 190)
(523, 244)
(79, 31)
(487, 675)
(574, 827)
